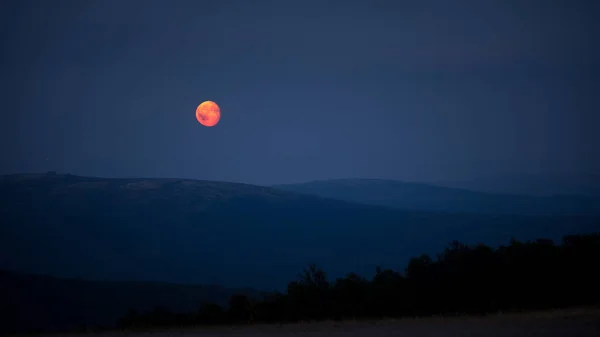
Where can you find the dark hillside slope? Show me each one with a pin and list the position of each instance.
(236, 235)
(418, 196)
(34, 302)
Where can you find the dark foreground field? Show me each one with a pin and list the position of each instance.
(572, 322)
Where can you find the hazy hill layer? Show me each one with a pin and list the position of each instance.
(535, 184)
(236, 235)
(417, 196)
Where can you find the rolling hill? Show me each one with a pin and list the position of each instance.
(235, 235)
(532, 184)
(41, 303)
(418, 196)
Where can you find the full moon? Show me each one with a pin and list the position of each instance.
(208, 113)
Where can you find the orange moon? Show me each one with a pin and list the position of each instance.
(208, 113)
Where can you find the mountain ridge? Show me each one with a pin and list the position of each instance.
(430, 197)
(232, 234)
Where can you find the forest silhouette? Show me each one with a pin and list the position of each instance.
(461, 280)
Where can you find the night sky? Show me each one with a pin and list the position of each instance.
(408, 90)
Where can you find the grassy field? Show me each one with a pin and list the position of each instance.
(557, 323)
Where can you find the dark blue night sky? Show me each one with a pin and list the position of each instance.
(408, 90)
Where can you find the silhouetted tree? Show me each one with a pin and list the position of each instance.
(387, 293)
(131, 319)
(211, 314)
(273, 308)
(240, 309)
(462, 280)
(350, 296)
(310, 297)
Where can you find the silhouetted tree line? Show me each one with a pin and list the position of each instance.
(462, 279)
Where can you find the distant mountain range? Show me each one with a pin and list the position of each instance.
(235, 235)
(418, 196)
(532, 184)
(33, 302)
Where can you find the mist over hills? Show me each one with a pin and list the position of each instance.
(426, 197)
(235, 235)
